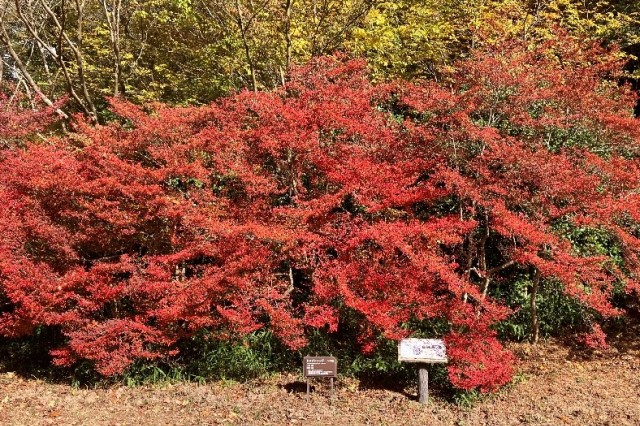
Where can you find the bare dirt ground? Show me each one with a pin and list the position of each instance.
(557, 386)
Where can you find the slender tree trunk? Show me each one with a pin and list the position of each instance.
(535, 326)
(77, 51)
(245, 43)
(482, 256)
(287, 33)
(112, 13)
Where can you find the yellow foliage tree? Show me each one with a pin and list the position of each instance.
(407, 38)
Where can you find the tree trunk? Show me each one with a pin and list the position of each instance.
(482, 256)
(535, 326)
(245, 43)
(112, 14)
(287, 34)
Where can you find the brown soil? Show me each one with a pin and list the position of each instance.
(556, 386)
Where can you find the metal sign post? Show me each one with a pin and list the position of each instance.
(320, 366)
(422, 352)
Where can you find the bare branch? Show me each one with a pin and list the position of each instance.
(4, 37)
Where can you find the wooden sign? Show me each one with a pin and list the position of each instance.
(424, 351)
(320, 366)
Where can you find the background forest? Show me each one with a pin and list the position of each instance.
(209, 188)
(194, 51)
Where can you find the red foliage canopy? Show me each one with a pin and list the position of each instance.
(330, 195)
(18, 122)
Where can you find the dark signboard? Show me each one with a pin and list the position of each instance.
(320, 366)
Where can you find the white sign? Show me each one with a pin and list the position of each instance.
(422, 350)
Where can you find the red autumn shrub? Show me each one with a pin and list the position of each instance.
(20, 118)
(478, 361)
(288, 209)
(596, 339)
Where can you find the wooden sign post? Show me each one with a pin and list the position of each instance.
(422, 352)
(320, 366)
